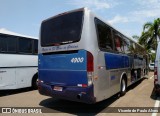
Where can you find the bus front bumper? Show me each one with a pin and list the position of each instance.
(78, 94)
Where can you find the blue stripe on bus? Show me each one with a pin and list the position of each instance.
(115, 61)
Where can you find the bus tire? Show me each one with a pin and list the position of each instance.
(35, 81)
(123, 87)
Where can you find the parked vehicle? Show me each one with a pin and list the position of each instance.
(84, 59)
(18, 61)
(151, 66)
(157, 71)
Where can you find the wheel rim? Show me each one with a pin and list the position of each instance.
(123, 85)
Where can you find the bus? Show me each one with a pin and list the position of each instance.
(18, 61)
(82, 58)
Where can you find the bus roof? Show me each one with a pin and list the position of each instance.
(5, 31)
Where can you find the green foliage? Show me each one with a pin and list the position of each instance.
(150, 34)
(153, 56)
(149, 37)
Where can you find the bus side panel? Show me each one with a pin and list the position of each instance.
(24, 76)
(101, 84)
(116, 61)
(117, 64)
(109, 75)
(17, 70)
(7, 78)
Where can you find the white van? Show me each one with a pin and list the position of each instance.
(157, 70)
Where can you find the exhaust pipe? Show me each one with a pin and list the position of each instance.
(79, 96)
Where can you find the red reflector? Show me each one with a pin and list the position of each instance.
(155, 75)
(155, 80)
(84, 85)
(155, 70)
(89, 62)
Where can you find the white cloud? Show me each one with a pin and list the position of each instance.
(147, 9)
(96, 4)
(148, 3)
(118, 19)
(147, 13)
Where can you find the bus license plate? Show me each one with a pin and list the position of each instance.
(56, 88)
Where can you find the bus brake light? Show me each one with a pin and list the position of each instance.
(155, 75)
(89, 62)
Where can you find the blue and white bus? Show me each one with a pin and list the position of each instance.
(84, 59)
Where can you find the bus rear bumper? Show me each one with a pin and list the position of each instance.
(78, 94)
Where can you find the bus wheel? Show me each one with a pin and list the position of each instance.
(35, 82)
(123, 87)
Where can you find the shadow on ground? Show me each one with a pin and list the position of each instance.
(16, 91)
(136, 84)
(76, 108)
(54, 105)
(154, 95)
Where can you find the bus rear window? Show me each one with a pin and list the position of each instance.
(62, 29)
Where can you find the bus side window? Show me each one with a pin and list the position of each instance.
(3, 43)
(25, 46)
(35, 46)
(126, 46)
(118, 42)
(104, 35)
(11, 44)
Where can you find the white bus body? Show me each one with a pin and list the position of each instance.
(17, 68)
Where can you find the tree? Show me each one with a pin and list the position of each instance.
(150, 34)
(135, 37)
(153, 56)
(134, 48)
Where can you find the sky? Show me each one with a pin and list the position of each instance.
(128, 16)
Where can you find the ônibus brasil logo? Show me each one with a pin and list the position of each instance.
(77, 60)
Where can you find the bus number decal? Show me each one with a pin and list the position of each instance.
(77, 60)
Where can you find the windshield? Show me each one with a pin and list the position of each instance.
(151, 64)
(62, 29)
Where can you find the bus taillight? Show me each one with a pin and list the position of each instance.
(89, 62)
(155, 75)
(90, 68)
